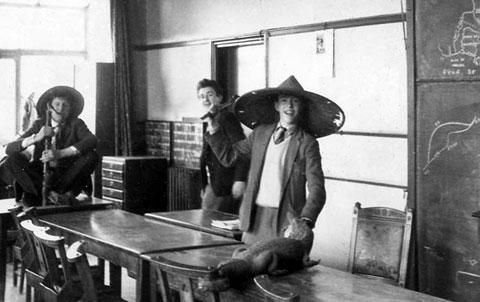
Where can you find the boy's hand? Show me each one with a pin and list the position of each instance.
(46, 131)
(49, 155)
(238, 189)
(212, 122)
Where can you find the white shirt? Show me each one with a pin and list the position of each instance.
(270, 188)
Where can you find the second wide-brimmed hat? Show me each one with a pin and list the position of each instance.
(321, 117)
(75, 98)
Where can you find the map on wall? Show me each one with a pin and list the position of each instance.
(448, 37)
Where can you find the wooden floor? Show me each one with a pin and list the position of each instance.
(12, 294)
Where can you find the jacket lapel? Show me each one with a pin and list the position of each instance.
(259, 152)
(290, 157)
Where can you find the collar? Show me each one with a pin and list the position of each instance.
(55, 124)
(290, 129)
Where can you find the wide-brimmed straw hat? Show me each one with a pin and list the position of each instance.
(74, 97)
(321, 116)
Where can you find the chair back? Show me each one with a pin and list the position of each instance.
(18, 215)
(182, 282)
(58, 283)
(76, 254)
(32, 253)
(380, 243)
(16, 211)
(22, 241)
(28, 228)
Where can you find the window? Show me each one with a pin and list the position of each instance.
(44, 43)
(42, 28)
(7, 98)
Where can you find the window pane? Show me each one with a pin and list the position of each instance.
(42, 28)
(42, 72)
(7, 100)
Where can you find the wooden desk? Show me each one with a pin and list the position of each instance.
(198, 220)
(121, 237)
(6, 222)
(315, 284)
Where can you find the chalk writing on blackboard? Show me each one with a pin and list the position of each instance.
(449, 144)
(464, 48)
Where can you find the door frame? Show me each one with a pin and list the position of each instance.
(217, 46)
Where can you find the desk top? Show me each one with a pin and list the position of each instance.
(198, 219)
(130, 232)
(94, 203)
(318, 283)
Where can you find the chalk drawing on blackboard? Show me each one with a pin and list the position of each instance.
(466, 40)
(449, 144)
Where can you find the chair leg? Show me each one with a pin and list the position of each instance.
(101, 267)
(28, 295)
(15, 274)
(22, 279)
(36, 296)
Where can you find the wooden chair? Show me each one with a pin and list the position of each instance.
(35, 272)
(379, 243)
(58, 282)
(21, 253)
(185, 283)
(91, 290)
(29, 266)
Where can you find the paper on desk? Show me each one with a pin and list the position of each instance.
(226, 224)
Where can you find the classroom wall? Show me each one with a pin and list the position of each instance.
(369, 83)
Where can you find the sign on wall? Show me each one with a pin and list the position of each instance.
(448, 39)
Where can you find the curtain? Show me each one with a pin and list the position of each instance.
(121, 72)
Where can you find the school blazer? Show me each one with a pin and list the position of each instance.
(302, 165)
(222, 178)
(74, 133)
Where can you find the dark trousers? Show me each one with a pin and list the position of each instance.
(72, 174)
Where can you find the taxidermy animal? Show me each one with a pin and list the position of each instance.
(274, 257)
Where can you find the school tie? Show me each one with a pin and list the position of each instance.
(56, 137)
(279, 135)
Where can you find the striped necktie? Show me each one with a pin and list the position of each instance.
(279, 135)
(57, 134)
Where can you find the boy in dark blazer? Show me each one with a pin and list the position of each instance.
(71, 159)
(284, 156)
(222, 187)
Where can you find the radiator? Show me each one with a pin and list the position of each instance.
(183, 189)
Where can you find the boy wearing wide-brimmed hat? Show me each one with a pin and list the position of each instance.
(71, 159)
(284, 156)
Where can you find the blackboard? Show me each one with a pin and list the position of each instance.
(448, 39)
(448, 184)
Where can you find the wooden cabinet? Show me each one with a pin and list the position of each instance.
(137, 184)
